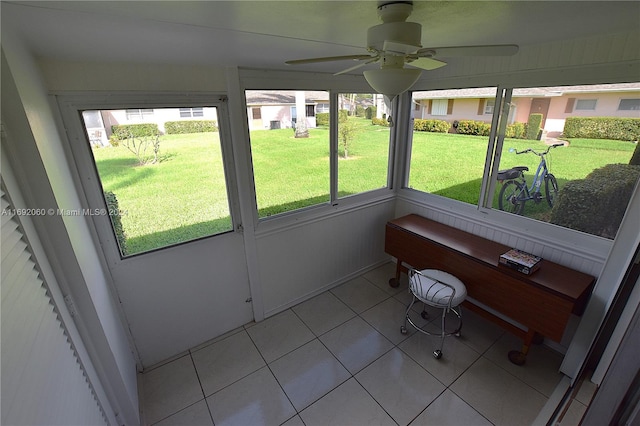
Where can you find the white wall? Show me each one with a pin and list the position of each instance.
(300, 261)
(98, 312)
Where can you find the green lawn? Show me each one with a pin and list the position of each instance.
(184, 196)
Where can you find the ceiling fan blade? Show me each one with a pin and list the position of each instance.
(454, 51)
(328, 59)
(399, 48)
(355, 67)
(426, 63)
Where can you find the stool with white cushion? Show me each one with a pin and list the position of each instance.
(440, 290)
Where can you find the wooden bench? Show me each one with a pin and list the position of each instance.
(542, 302)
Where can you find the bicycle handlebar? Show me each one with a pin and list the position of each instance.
(536, 152)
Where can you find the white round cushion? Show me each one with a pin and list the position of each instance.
(429, 289)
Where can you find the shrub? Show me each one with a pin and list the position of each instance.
(379, 122)
(616, 128)
(322, 119)
(359, 111)
(533, 127)
(436, 126)
(597, 203)
(126, 131)
(114, 213)
(370, 112)
(515, 130)
(343, 115)
(190, 126)
(474, 127)
(137, 138)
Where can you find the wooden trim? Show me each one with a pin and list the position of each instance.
(450, 107)
(429, 106)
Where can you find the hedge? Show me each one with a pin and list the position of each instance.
(113, 209)
(380, 121)
(436, 126)
(322, 119)
(190, 126)
(126, 131)
(532, 129)
(473, 127)
(370, 112)
(597, 203)
(616, 128)
(516, 130)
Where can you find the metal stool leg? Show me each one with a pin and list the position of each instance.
(403, 328)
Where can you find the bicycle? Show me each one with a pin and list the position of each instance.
(515, 192)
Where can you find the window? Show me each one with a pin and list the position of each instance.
(586, 104)
(450, 164)
(256, 113)
(139, 114)
(322, 107)
(164, 189)
(191, 112)
(439, 107)
(289, 173)
(455, 166)
(629, 105)
(489, 105)
(311, 111)
(363, 147)
(294, 169)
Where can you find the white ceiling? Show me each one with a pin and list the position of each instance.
(264, 34)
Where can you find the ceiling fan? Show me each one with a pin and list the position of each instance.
(395, 43)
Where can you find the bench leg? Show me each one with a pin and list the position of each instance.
(520, 357)
(395, 282)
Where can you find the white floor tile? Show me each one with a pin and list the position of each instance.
(279, 335)
(323, 312)
(194, 415)
(170, 388)
(308, 373)
(359, 294)
(456, 356)
(254, 400)
(356, 344)
(349, 404)
(381, 275)
(449, 410)
(226, 361)
(400, 385)
(499, 396)
(387, 317)
(541, 370)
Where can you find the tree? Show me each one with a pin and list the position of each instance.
(347, 129)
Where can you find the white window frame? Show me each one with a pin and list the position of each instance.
(92, 187)
(585, 105)
(136, 114)
(634, 107)
(439, 107)
(191, 112)
(489, 106)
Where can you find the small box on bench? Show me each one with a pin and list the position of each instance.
(521, 261)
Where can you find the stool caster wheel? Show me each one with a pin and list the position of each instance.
(424, 315)
(437, 354)
(403, 329)
(458, 334)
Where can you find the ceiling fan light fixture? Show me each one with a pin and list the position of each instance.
(392, 81)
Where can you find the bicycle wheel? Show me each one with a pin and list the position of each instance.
(510, 199)
(550, 188)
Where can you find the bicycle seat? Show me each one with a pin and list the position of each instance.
(512, 173)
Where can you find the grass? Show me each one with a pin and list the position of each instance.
(185, 197)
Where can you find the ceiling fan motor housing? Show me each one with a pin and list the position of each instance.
(406, 35)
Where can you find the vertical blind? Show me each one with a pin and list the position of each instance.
(43, 380)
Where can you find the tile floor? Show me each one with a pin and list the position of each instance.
(340, 359)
